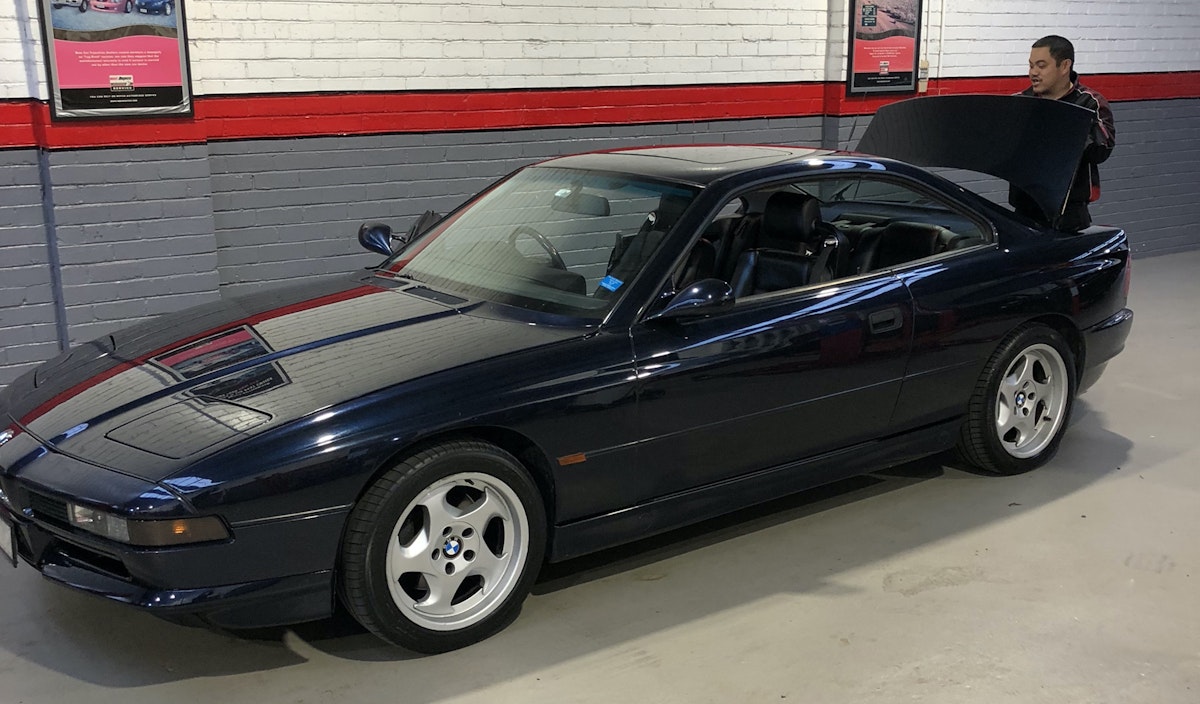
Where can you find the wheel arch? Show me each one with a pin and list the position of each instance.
(1064, 326)
(527, 452)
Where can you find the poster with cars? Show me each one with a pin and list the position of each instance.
(116, 58)
(884, 36)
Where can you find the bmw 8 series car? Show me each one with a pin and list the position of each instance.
(594, 349)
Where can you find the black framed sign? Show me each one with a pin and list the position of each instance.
(116, 58)
(884, 37)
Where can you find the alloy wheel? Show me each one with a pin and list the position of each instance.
(457, 551)
(1031, 401)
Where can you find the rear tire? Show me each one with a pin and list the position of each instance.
(1021, 404)
(442, 550)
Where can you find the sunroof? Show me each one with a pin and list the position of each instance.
(718, 154)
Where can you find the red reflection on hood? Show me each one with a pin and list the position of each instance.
(116, 369)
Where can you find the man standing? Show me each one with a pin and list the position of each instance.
(1052, 75)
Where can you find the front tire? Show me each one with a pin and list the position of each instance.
(1019, 409)
(442, 550)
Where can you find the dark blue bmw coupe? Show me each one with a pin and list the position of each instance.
(594, 349)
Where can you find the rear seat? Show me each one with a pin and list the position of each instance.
(900, 242)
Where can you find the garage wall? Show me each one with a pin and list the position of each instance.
(134, 233)
(1151, 180)
(21, 73)
(471, 44)
(1110, 36)
(383, 45)
(287, 211)
(100, 231)
(27, 303)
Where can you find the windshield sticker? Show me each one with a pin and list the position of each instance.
(611, 283)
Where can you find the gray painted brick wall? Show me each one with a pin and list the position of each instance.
(27, 319)
(1150, 182)
(135, 234)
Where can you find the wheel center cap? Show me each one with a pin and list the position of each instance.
(1020, 400)
(452, 546)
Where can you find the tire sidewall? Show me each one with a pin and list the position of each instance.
(1015, 346)
(416, 475)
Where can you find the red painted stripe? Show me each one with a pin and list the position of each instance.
(26, 123)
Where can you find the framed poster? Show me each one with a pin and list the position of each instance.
(116, 58)
(884, 36)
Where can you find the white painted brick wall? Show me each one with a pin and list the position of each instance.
(1110, 36)
(286, 45)
(306, 45)
(21, 72)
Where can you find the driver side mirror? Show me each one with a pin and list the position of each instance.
(702, 298)
(376, 237)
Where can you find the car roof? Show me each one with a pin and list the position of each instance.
(696, 164)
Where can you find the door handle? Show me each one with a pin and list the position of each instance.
(884, 320)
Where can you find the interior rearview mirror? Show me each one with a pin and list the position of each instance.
(579, 203)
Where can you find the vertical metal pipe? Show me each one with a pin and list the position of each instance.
(835, 63)
(941, 39)
(60, 306)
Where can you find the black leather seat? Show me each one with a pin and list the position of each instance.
(898, 243)
(741, 237)
(780, 259)
(832, 250)
(700, 264)
(632, 251)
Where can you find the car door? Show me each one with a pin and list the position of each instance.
(773, 379)
(958, 293)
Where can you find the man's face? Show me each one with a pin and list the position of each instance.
(1049, 79)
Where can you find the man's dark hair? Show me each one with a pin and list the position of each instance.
(1060, 48)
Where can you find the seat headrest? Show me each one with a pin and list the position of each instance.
(670, 207)
(902, 242)
(789, 220)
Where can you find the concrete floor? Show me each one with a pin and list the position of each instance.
(1076, 583)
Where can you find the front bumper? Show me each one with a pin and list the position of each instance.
(139, 577)
(272, 571)
(1102, 342)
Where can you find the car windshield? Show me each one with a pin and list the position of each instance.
(562, 241)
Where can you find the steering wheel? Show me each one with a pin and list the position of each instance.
(556, 259)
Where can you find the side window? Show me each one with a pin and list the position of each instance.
(815, 231)
(889, 223)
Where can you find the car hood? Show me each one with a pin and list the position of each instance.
(1033, 143)
(149, 399)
